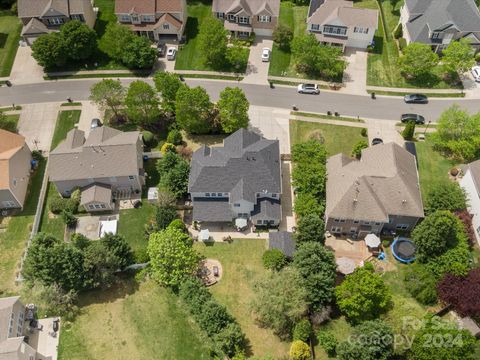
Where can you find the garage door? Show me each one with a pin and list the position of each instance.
(263, 32)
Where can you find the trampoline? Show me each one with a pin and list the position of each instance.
(403, 250)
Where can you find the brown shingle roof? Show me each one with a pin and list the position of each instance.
(98, 193)
(10, 144)
(148, 6)
(36, 8)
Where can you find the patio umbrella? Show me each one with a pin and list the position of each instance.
(241, 223)
(345, 265)
(204, 235)
(372, 241)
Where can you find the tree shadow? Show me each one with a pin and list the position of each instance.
(191, 29)
(378, 44)
(124, 285)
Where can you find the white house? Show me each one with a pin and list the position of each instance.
(470, 182)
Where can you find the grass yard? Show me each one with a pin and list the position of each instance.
(51, 224)
(10, 28)
(194, 142)
(65, 122)
(242, 265)
(13, 240)
(337, 138)
(131, 226)
(132, 321)
(189, 56)
(281, 63)
(9, 122)
(432, 166)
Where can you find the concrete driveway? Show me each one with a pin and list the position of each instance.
(166, 65)
(355, 75)
(385, 130)
(25, 69)
(288, 218)
(271, 123)
(37, 124)
(89, 112)
(257, 70)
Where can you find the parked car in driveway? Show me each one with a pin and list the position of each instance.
(476, 73)
(377, 141)
(161, 49)
(308, 89)
(95, 123)
(416, 99)
(265, 54)
(419, 119)
(171, 53)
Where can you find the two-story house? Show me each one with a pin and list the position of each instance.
(243, 17)
(470, 182)
(439, 22)
(156, 19)
(44, 16)
(105, 166)
(15, 165)
(242, 179)
(338, 23)
(379, 192)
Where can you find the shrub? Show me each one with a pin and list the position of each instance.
(168, 147)
(164, 215)
(148, 138)
(56, 205)
(445, 196)
(175, 137)
(68, 218)
(421, 283)
(299, 351)
(364, 132)
(37, 155)
(303, 330)
(283, 36)
(6, 123)
(402, 43)
(358, 147)
(274, 259)
(398, 33)
(230, 340)
(477, 57)
(409, 130)
(178, 224)
(462, 292)
(328, 342)
(466, 219)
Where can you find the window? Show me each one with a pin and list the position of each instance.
(435, 35)
(360, 30)
(148, 18)
(259, 222)
(56, 21)
(78, 17)
(219, 194)
(131, 177)
(213, 194)
(265, 222)
(342, 220)
(377, 224)
(8, 204)
(366, 222)
(125, 18)
(220, 15)
(207, 194)
(236, 205)
(274, 195)
(243, 20)
(103, 206)
(335, 229)
(243, 33)
(356, 221)
(166, 26)
(315, 27)
(231, 17)
(264, 18)
(401, 227)
(97, 206)
(91, 207)
(335, 30)
(353, 230)
(336, 220)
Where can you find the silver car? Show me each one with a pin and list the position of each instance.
(308, 89)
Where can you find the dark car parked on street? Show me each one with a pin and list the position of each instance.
(416, 99)
(419, 119)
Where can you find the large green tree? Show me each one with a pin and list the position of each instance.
(49, 50)
(174, 172)
(138, 54)
(233, 106)
(310, 227)
(283, 36)
(212, 41)
(363, 295)
(417, 60)
(167, 85)
(79, 39)
(445, 196)
(143, 106)
(115, 40)
(459, 56)
(194, 110)
(108, 94)
(172, 257)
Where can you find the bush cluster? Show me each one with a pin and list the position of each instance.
(58, 205)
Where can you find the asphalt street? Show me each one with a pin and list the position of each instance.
(388, 108)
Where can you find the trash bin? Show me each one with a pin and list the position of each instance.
(373, 95)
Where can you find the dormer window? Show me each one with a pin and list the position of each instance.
(435, 35)
(231, 17)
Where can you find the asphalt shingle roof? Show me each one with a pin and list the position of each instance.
(283, 241)
(212, 210)
(252, 7)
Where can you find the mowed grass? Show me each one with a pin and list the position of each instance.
(10, 122)
(65, 122)
(51, 224)
(10, 28)
(242, 266)
(132, 321)
(294, 17)
(432, 166)
(14, 239)
(132, 225)
(338, 139)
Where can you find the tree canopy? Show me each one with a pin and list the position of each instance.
(283, 36)
(174, 172)
(108, 94)
(445, 196)
(79, 39)
(458, 56)
(194, 110)
(212, 41)
(142, 103)
(417, 60)
(167, 85)
(233, 106)
(310, 227)
(49, 50)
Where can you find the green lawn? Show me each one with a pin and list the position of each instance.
(65, 122)
(432, 166)
(13, 240)
(281, 63)
(242, 265)
(132, 321)
(382, 67)
(10, 122)
(10, 28)
(337, 138)
(50, 223)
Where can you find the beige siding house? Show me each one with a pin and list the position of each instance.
(106, 166)
(378, 193)
(44, 16)
(15, 165)
(243, 17)
(157, 19)
(470, 182)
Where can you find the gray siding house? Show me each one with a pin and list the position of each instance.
(107, 165)
(379, 192)
(241, 179)
(439, 22)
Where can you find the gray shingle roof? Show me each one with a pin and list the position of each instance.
(38, 8)
(252, 7)
(267, 209)
(99, 193)
(246, 164)
(384, 182)
(474, 168)
(283, 241)
(331, 11)
(212, 210)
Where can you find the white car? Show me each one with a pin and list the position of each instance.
(308, 89)
(171, 53)
(476, 73)
(266, 54)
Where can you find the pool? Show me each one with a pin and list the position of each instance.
(403, 249)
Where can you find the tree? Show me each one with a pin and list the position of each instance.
(274, 259)
(175, 137)
(328, 342)
(174, 172)
(167, 85)
(358, 147)
(172, 257)
(299, 351)
(212, 42)
(230, 340)
(445, 195)
(108, 94)
(303, 330)
(439, 339)
(49, 50)
(164, 215)
(316, 265)
(371, 340)
(79, 39)
(307, 203)
(68, 218)
(311, 227)
(115, 40)
(309, 151)
(421, 283)
(100, 265)
(237, 57)
(142, 103)
(458, 57)
(119, 247)
(362, 295)
(461, 292)
(435, 235)
(283, 36)
(194, 110)
(138, 54)
(417, 60)
(233, 106)
(409, 130)
(280, 301)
